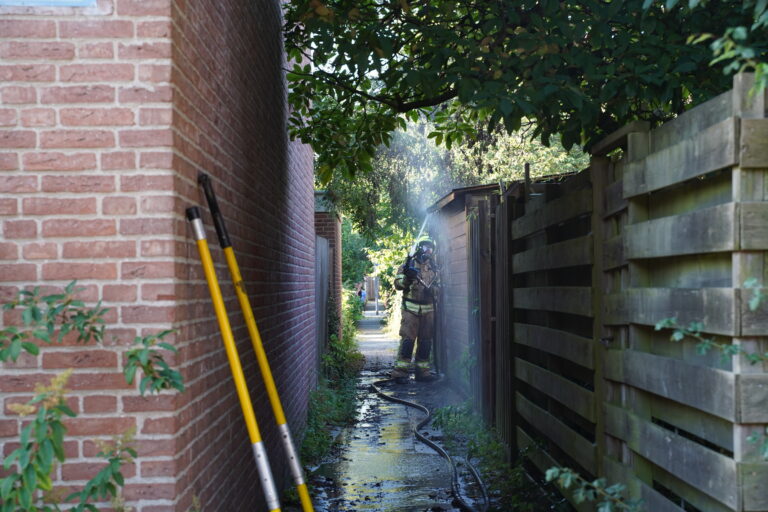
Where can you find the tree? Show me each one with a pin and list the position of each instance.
(580, 69)
(413, 172)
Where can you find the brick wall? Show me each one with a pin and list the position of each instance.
(106, 115)
(328, 226)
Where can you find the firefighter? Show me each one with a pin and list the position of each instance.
(419, 280)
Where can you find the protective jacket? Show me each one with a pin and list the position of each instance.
(419, 292)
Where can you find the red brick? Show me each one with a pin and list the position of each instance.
(161, 50)
(16, 28)
(28, 73)
(36, 117)
(146, 138)
(158, 468)
(41, 251)
(8, 117)
(104, 249)
(8, 207)
(18, 184)
(78, 184)
(158, 94)
(17, 139)
(77, 139)
(98, 381)
(76, 228)
(164, 226)
(8, 251)
(149, 491)
(96, 51)
(144, 183)
(13, 229)
(158, 204)
(54, 161)
(144, 7)
(99, 404)
(51, 206)
(9, 162)
(79, 271)
(9, 428)
(155, 292)
(120, 293)
(98, 426)
(118, 161)
(15, 95)
(156, 160)
(48, 50)
(147, 269)
(97, 73)
(90, 358)
(156, 116)
(96, 28)
(78, 94)
(18, 272)
(118, 206)
(73, 471)
(160, 248)
(155, 73)
(167, 425)
(97, 117)
(149, 403)
(153, 29)
(147, 314)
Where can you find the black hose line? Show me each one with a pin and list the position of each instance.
(455, 490)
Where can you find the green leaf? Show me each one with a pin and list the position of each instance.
(31, 348)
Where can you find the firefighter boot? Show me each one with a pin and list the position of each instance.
(422, 361)
(401, 373)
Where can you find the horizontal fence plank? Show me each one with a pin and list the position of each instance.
(574, 397)
(653, 501)
(711, 149)
(576, 300)
(693, 121)
(613, 253)
(754, 228)
(707, 389)
(558, 432)
(710, 472)
(544, 461)
(754, 150)
(570, 253)
(618, 138)
(707, 230)
(714, 307)
(753, 486)
(753, 323)
(614, 201)
(556, 211)
(752, 393)
(560, 343)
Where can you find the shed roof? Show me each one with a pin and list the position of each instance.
(459, 193)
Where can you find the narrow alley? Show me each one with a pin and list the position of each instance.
(378, 464)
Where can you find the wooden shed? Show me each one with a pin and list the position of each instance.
(463, 228)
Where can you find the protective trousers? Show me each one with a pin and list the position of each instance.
(418, 330)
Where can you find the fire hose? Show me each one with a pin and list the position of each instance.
(455, 487)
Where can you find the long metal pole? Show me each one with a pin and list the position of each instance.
(258, 345)
(259, 452)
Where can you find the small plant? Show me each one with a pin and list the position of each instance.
(28, 486)
(608, 498)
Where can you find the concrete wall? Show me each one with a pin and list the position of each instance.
(107, 114)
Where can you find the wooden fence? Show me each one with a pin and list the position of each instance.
(666, 223)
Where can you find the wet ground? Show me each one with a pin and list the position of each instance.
(378, 465)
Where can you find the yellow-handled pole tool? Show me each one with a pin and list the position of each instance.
(259, 452)
(258, 346)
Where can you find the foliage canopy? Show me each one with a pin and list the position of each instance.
(580, 69)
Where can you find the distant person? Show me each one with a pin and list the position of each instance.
(363, 296)
(419, 280)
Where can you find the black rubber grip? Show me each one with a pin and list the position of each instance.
(218, 221)
(193, 212)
